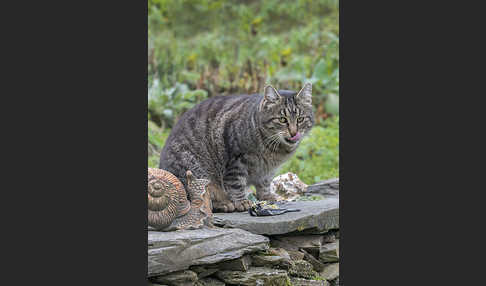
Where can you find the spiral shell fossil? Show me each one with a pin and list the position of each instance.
(168, 205)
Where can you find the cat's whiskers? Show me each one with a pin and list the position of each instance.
(276, 141)
(267, 141)
(271, 142)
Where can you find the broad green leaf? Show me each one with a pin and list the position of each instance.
(320, 70)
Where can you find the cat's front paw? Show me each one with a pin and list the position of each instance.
(223, 207)
(242, 205)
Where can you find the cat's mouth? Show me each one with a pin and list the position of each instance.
(287, 140)
(294, 139)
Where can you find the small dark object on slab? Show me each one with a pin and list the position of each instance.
(316, 216)
(265, 209)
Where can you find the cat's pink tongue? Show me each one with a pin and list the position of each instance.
(296, 137)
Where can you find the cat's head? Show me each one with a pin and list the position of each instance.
(286, 116)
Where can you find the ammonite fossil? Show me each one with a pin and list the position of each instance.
(168, 205)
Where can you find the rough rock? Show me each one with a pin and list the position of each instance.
(330, 271)
(295, 255)
(203, 270)
(178, 278)
(275, 243)
(336, 233)
(177, 250)
(316, 264)
(302, 241)
(210, 281)
(306, 282)
(287, 187)
(327, 188)
(329, 252)
(335, 282)
(330, 237)
(302, 269)
(255, 276)
(271, 261)
(279, 252)
(310, 243)
(308, 231)
(240, 264)
(319, 216)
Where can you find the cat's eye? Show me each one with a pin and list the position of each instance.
(300, 119)
(282, 119)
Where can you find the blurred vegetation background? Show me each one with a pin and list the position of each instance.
(202, 48)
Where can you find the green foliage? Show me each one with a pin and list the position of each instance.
(156, 136)
(153, 161)
(156, 140)
(226, 47)
(167, 104)
(202, 48)
(317, 157)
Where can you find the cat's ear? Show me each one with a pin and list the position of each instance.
(305, 94)
(270, 96)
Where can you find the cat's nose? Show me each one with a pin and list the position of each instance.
(292, 130)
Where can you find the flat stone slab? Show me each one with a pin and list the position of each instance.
(177, 250)
(314, 215)
(254, 276)
(326, 188)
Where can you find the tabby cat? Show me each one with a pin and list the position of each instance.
(237, 141)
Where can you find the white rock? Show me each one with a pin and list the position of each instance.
(287, 187)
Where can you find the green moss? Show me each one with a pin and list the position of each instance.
(302, 269)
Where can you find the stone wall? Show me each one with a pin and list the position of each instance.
(300, 248)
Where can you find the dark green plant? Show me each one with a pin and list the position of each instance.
(165, 105)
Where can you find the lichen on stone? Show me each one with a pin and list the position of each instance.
(303, 269)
